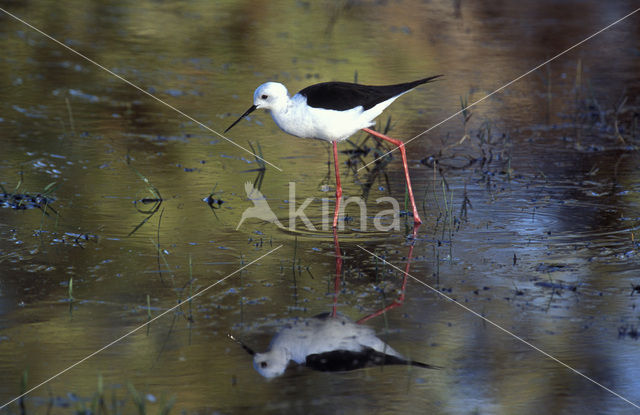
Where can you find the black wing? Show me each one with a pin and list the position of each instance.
(342, 96)
(344, 360)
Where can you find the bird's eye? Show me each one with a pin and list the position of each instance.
(264, 97)
(263, 364)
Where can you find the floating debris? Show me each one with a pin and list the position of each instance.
(628, 331)
(23, 201)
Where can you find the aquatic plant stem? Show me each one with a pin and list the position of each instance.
(507, 84)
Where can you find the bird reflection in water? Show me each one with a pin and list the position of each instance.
(331, 342)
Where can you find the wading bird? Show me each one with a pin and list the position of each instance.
(333, 111)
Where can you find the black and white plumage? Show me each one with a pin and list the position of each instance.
(333, 112)
(330, 111)
(327, 343)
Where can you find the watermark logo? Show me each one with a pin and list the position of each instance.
(383, 221)
(260, 210)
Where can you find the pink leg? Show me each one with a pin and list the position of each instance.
(338, 272)
(338, 185)
(400, 145)
(398, 301)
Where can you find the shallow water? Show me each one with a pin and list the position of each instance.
(531, 221)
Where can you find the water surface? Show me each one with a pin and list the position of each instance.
(531, 221)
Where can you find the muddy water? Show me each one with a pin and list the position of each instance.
(531, 221)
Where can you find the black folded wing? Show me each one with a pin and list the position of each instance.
(341, 96)
(345, 360)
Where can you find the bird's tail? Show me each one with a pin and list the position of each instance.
(424, 365)
(429, 79)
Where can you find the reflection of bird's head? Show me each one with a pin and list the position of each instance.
(272, 363)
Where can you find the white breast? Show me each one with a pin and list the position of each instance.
(307, 122)
(303, 337)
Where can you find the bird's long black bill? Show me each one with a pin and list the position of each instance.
(244, 346)
(247, 112)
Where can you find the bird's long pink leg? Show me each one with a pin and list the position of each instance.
(338, 272)
(400, 145)
(338, 185)
(400, 300)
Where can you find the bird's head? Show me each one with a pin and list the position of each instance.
(272, 363)
(268, 96)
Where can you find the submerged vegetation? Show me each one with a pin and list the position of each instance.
(104, 401)
(20, 199)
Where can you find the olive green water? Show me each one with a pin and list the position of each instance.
(531, 220)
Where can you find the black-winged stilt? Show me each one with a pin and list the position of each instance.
(329, 344)
(333, 111)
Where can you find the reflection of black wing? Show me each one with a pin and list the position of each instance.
(341, 96)
(344, 360)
